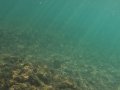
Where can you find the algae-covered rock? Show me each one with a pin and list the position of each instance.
(17, 74)
(23, 86)
(48, 87)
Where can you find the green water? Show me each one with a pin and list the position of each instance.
(83, 34)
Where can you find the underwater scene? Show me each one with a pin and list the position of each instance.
(59, 45)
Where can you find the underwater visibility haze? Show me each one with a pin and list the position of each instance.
(59, 45)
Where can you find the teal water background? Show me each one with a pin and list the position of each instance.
(87, 31)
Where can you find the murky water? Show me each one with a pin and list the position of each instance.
(79, 39)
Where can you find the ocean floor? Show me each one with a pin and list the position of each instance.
(27, 63)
